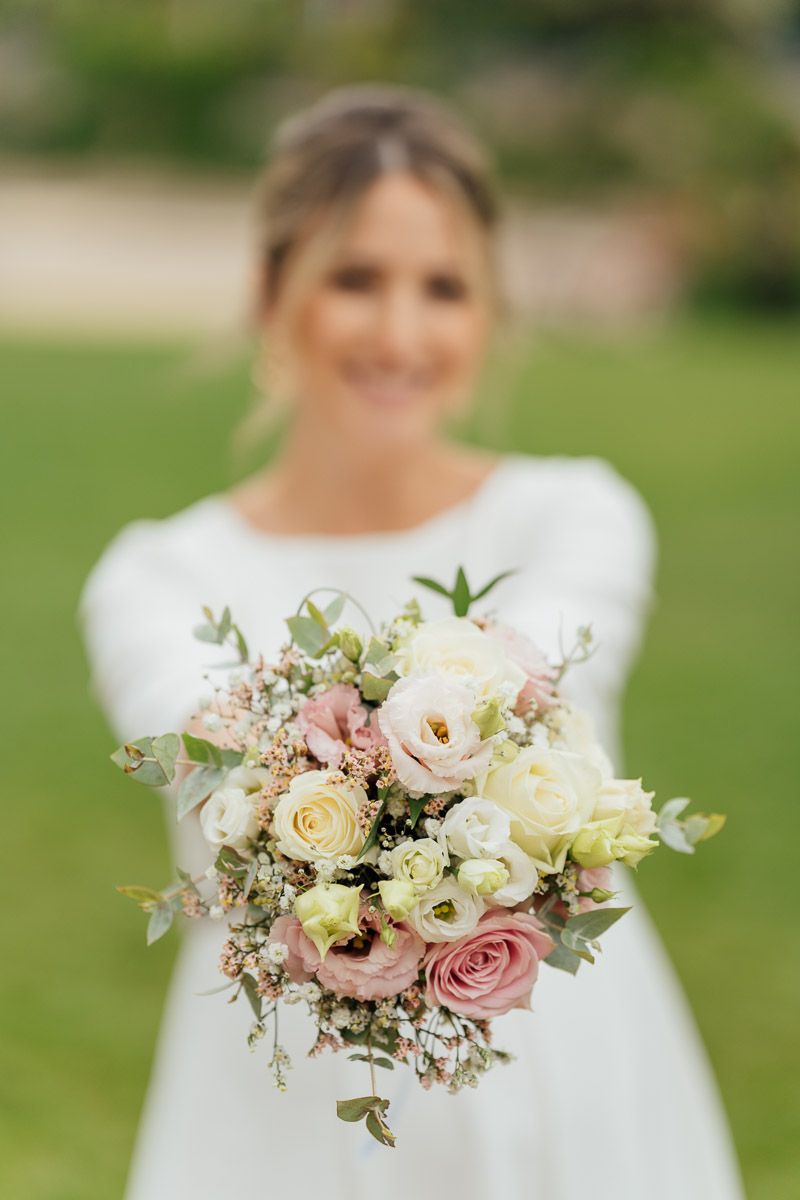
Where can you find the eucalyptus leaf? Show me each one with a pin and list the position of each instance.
(230, 862)
(250, 989)
(160, 921)
(672, 835)
(386, 1063)
(197, 787)
(165, 752)
(699, 827)
(375, 688)
(308, 636)
(318, 617)
(372, 836)
(334, 610)
(200, 750)
(207, 633)
(142, 895)
(138, 760)
(563, 959)
(592, 924)
(672, 809)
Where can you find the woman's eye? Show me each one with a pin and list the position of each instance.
(353, 279)
(447, 287)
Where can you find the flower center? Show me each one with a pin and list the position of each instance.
(444, 910)
(439, 729)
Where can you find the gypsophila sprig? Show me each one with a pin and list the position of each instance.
(402, 825)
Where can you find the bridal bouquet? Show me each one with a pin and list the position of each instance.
(400, 833)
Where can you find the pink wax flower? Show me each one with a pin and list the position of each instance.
(492, 969)
(334, 720)
(540, 684)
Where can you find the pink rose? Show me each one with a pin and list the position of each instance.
(540, 684)
(492, 969)
(365, 968)
(334, 720)
(288, 931)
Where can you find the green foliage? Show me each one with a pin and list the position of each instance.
(460, 594)
(149, 760)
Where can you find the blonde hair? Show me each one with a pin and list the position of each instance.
(322, 161)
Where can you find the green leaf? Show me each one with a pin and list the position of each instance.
(416, 806)
(334, 609)
(160, 921)
(563, 959)
(308, 636)
(492, 583)
(379, 1062)
(591, 925)
(165, 751)
(461, 595)
(699, 827)
(357, 1109)
(241, 644)
(200, 750)
(250, 989)
(142, 895)
(379, 1129)
(576, 944)
(197, 787)
(672, 809)
(225, 623)
(207, 633)
(230, 862)
(137, 759)
(672, 835)
(354, 1039)
(374, 688)
(423, 581)
(318, 617)
(249, 878)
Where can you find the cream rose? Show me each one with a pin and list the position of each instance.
(228, 817)
(317, 819)
(626, 799)
(446, 912)
(549, 795)
(457, 647)
(434, 742)
(575, 728)
(421, 863)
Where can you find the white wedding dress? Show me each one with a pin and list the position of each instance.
(610, 1096)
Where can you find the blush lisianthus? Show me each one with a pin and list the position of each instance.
(433, 740)
(539, 685)
(335, 719)
(492, 969)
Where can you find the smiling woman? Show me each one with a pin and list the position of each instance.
(378, 297)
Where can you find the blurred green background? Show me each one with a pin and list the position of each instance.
(690, 111)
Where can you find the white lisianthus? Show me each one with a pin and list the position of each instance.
(575, 729)
(522, 876)
(421, 863)
(434, 742)
(446, 912)
(482, 876)
(228, 817)
(457, 647)
(476, 828)
(398, 897)
(317, 819)
(627, 800)
(549, 795)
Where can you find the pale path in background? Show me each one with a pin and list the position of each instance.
(610, 1095)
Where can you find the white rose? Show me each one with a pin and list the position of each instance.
(317, 819)
(457, 647)
(482, 876)
(420, 862)
(434, 743)
(549, 795)
(627, 800)
(575, 728)
(522, 876)
(446, 912)
(476, 828)
(229, 818)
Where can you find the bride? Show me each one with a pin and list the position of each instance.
(378, 293)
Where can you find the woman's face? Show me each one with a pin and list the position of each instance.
(391, 337)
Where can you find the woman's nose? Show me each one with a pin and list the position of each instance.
(400, 327)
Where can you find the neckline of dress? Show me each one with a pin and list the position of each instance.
(373, 538)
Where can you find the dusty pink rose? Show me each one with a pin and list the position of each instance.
(492, 969)
(366, 968)
(289, 932)
(539, 685)
(334, 720)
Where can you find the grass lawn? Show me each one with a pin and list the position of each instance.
(702, 417)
